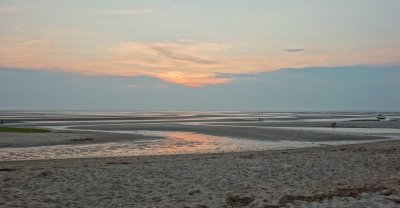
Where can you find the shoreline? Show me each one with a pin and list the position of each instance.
(72, 145)
(212, 154)
(92, 144)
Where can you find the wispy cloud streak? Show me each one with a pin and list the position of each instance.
(294, 49)
(132, 12)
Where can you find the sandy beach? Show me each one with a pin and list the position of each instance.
(87, 162)
(362, 175)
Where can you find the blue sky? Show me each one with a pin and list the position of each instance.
(210, 54)
(341, 88)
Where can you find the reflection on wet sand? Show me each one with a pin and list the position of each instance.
(183, 142)
(173, 143)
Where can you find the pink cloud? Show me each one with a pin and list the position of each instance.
(186, 62)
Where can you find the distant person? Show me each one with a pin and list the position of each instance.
(2, 122)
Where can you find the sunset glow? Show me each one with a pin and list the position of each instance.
(122, 40)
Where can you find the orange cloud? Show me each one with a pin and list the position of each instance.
(185, 62)
(193, 80)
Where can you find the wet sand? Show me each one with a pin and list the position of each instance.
(243, 132)
(18, 140)
(359, 175)
(230, 128)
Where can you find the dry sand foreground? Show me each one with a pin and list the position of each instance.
(342, 176)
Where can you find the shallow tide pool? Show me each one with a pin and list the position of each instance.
(174, 142)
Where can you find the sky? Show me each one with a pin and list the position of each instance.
(200, 55)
